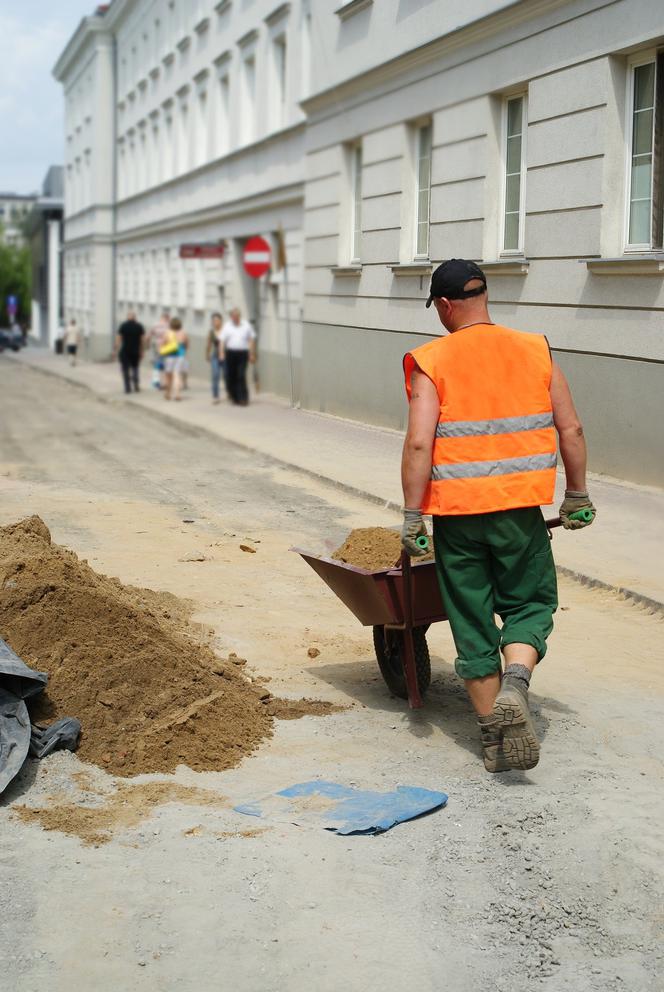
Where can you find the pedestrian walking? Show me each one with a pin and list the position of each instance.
(60, 337)
(237, 349)
(155, 339)
(485, 403)
(173, 351)
(72, 338)
(129, 345)
(212, 355)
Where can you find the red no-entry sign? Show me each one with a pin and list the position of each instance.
(256, 257)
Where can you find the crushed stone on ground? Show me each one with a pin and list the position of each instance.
(120, 659)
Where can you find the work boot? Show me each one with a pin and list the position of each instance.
(492, 749)
(520, 746)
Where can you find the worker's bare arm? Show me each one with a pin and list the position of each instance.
(423, 416)
(570, 432)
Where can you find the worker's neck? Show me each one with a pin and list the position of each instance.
(475, 316)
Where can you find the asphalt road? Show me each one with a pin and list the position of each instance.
(550, 878)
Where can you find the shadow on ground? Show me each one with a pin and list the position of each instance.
(446, 705)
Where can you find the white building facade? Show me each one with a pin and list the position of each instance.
(384, 137)
(203, 144)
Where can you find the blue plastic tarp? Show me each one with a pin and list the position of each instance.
(346, 810)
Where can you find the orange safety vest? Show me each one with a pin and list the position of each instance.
(495, 443)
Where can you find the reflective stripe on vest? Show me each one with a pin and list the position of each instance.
(501, 466)
(506, 425)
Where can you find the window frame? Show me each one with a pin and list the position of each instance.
(248, 97)
(355, 153)
(654, 244)
(279, 70)
(519, 251)
(418, 128)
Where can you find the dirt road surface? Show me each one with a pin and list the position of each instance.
(549, 879)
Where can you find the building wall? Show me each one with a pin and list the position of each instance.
(207, 144)
(218, 121)
(571, 63)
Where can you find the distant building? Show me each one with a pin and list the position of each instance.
(44, 228)
(14, 210)
(383, 136)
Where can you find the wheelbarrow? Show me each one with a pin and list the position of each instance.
(400, 604)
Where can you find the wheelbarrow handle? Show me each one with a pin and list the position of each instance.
(554, 522)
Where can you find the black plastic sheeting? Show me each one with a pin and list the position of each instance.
(18, 683)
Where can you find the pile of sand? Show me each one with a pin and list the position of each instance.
(118, 658)
(373, 548)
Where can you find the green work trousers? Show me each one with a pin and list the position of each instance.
(495, 563)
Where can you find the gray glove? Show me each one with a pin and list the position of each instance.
(571, 516)
(413, 527)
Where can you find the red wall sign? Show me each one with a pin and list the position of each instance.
(208, 249)
(256, 257)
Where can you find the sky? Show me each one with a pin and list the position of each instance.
(32, 36)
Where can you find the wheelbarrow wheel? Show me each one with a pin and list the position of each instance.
(388, 645)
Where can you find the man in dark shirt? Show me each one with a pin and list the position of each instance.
(129, 345)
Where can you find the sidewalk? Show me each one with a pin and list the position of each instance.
(623, 550)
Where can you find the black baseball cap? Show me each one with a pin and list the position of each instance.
(450, 277)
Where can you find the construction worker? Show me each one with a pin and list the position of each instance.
(485, 403)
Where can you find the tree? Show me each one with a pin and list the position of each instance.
(15, 279)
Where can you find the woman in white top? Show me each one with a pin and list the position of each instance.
(237, 347)
(71, 340)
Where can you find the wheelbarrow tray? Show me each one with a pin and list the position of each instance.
(377, 597)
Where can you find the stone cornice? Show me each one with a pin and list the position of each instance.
(281, 196)
(93, 27)
(352, 7)
(467, 34)
(277, 14)
(248, 38)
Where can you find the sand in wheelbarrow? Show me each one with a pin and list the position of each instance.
(372, 548)
(126, 662)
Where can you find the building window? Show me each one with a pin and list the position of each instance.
(143, 162)
(183, 139)
(279, 77)
(223, 115)
(248, 112)
(199, 284)
(201, 127)
(305, 49)
(356, 202)
(423, 190)
(155, 154)
(515, 123)
(646, 129)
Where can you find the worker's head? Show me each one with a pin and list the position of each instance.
(459, 293)
(176, 324)
(131, 315)
(236, 315)
(217, 321)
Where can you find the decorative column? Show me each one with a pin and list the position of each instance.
(53, 280)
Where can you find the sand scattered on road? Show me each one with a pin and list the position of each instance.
(105, 813)
(372, 548)
(123, 661)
